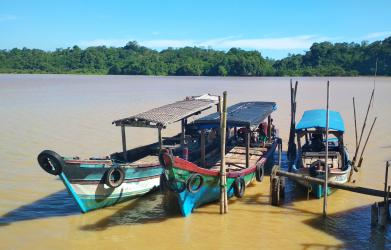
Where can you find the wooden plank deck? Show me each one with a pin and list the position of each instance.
(236, 158)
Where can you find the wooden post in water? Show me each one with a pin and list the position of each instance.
(223, 176)
(386, 190)
(326, 172)
(202, 146)
(124, 142)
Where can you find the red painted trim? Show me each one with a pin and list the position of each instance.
(189, 166)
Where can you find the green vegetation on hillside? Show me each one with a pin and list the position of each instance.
(323, 59)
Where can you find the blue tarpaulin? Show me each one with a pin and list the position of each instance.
(317, 119)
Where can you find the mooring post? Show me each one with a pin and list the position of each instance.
(374, 214)
(223, 180)
(326, 174)
(279, 153)
(386, 189)
(124, 142)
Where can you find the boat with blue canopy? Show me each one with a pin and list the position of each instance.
(311, 155)
(251, 142)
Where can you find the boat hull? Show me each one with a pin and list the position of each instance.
(86, 183)
(181, 170)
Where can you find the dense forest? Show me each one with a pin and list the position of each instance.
(322, 59)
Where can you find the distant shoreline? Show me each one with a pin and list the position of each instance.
(322, 59)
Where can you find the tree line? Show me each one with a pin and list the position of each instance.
(322, 59)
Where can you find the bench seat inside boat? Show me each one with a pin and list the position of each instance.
(310, 157)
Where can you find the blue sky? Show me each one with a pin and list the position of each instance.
(275, 28)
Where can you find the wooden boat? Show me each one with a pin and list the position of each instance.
(251, 142)
(310, 159)
(99, 182)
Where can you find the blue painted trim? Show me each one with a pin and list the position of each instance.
(74, 195)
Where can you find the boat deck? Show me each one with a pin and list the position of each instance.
(236, 158)
(146, 161)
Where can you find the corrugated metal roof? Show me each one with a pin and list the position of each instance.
(244, 114)
(316, 118)
(170, 113)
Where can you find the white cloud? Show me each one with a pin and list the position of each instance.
(374, 35)
(4, 18)
(281, 43)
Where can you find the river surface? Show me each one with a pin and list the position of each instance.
(72, 115)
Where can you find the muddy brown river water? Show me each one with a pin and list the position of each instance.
(72, 115)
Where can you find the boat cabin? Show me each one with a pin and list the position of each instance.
(159, 118)
(311, 140)
(249, 132)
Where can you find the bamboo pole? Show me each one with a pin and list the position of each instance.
(223, 180)
(365, 145)
(124, 143)
(363, 127)
(326, 172)
(345, 186)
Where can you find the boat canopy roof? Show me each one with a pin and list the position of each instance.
(243, 114)
(316, 119)
(170, 113)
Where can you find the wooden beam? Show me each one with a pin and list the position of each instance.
(202, 146)
(124, 143)
(159, 131)
(247, 140)
(269, 128)
(223, 174)
(345, 186)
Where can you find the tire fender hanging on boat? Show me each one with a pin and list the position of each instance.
(114, 177)
(51, 162)
(259, 173)
(193, 180)
(239, 187)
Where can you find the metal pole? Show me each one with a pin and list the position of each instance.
(326, 174)
(386, 185)
(124, 142)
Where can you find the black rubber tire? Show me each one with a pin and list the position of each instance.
(115, 176)
(259, 173)
(51, 162)
(239, 187)
(275, 189)
(191, 180)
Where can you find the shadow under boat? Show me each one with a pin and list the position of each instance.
(53, 205)
(150, 208)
